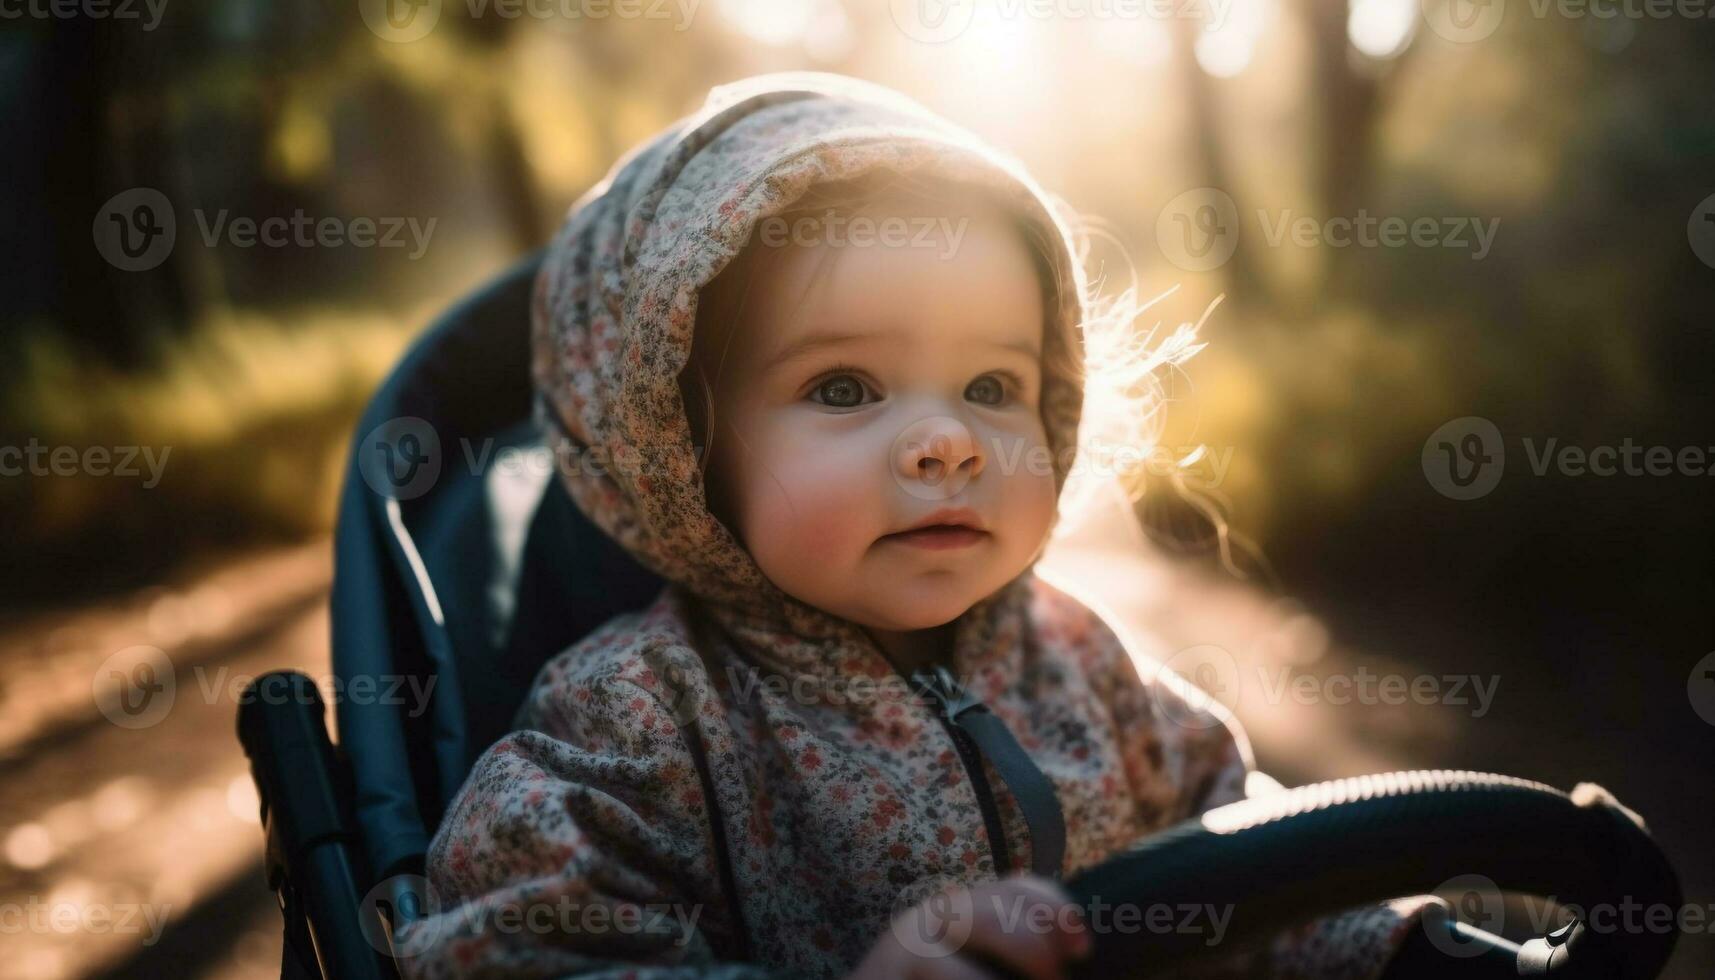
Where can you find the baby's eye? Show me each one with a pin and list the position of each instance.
(990, 389)
(840, 391)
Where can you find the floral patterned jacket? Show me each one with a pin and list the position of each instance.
(731, 783)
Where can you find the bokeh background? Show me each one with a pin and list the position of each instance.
(1187, 132)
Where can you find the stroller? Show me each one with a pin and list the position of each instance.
(461, 565)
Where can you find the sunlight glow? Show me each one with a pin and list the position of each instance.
(829, 36)
(1223, 54)
(775, 22)
(1227, 49)
(29, 846)
(997, 74)
(1123, 357)
(1143, 42)
(994, 44)
(1381, 28)
(241, 799)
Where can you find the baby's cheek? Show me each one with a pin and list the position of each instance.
(834, 517)
(1030, 496)
(815, 501)
(1036, 504)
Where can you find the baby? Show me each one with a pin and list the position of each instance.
(816, 357)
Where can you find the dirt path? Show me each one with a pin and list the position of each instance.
(135, 851)
(129, 849)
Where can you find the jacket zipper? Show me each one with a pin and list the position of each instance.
(953, 700)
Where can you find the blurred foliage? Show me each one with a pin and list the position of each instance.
(248, 418)
(1325, 370)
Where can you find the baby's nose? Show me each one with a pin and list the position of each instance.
(935, 457)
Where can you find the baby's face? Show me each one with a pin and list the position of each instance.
(869, 386)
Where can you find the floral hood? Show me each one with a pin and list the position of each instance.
(616, 305)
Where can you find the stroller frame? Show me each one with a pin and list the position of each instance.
(451, 573)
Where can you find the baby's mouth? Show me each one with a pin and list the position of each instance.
(938, 536)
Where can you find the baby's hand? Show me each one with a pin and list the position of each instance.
(1024, 923)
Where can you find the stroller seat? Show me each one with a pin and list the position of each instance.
(460, 567)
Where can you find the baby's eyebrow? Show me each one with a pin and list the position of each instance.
(805, 346)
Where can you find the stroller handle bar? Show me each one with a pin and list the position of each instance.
(314, 861)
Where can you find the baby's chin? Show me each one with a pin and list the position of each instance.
(903, 609)
(884, 599)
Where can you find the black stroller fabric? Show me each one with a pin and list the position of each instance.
(416, 567)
